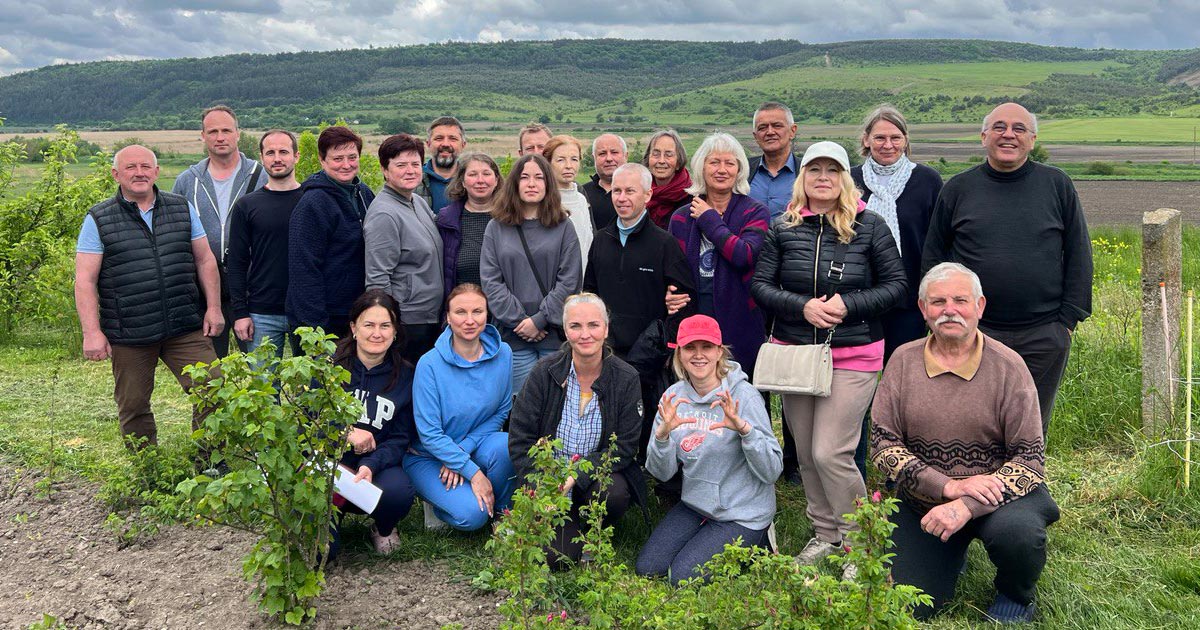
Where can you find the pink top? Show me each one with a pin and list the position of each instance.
(864, 358)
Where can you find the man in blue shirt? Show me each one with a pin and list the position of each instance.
(137, 258)
(772, 176)
(773, 173)
(446, 142)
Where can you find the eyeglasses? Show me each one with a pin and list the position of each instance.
(656, 154)
(1017, 128)
(882, 140)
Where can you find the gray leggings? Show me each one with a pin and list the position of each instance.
(684, 540)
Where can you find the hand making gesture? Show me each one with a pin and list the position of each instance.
(668, 408)
(731, 420)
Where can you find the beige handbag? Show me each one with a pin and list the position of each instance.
(806, 369)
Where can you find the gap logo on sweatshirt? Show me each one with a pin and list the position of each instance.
(384, 409)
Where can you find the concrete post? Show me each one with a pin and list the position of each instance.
(1162, 260)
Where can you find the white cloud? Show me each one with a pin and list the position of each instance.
(32, 35)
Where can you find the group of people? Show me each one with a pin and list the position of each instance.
(478, 312)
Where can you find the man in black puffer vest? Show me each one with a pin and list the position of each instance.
(135, 289)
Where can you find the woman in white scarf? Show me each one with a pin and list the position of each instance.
(903, 193)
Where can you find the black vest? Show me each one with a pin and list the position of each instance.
(147, 283)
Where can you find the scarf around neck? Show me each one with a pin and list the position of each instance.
(884, 194)
(665, 199)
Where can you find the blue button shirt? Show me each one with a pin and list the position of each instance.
(774, 191)
(89, 235)
(437, 188)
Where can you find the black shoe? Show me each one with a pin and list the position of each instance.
(792, 476)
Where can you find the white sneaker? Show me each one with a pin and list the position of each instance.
(384, 544)
(816, 550)
(432, 522)
(849, 572)
(772, 546)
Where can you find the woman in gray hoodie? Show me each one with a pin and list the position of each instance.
(714, 426)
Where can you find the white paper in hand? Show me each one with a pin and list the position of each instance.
(363, 494)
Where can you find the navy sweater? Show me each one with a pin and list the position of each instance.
(325, 252)
(387, 413)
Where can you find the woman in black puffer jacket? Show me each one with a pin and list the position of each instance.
(830, 269)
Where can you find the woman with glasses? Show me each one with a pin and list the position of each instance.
(667, 161)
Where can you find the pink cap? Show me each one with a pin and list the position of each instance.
(698, 328)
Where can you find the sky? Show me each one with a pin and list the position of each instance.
(42, 32)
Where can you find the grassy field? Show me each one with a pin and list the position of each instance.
(1145, 130)
(1126, 553)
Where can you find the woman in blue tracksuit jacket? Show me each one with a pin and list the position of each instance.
(462, 396)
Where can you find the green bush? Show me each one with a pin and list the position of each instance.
(38, 230)
(748, 587)
(1100, 168)
(281, 423)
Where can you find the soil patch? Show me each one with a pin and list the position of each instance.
(59, 559)
(1124, 202)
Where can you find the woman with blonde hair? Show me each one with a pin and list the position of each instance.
(721, 232)
(565, 154)
(827, 273)
(713, 427)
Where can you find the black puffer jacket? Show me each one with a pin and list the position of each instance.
(790, 273)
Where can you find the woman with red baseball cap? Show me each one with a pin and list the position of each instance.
(713, 426)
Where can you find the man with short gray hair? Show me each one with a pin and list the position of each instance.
(958, 430)
(631, 264)
(608, 152)
(1019, 225)
(773, 174)
(137, 259)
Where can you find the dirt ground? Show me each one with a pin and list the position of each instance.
(1124, 202)
(56, 558)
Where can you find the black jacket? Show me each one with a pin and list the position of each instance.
(538, 410)
(913, 211)
(790, 272)
(600, 202)
(632, 280)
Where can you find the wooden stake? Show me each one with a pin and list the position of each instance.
(1187, 418)
(1162, 294)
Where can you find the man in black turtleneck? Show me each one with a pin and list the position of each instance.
(1019, 225)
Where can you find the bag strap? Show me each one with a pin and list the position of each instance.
(838, 266)
(529, 257)
(254, 177)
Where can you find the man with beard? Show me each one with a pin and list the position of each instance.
(258, 246)
(608, 152)
(213, 184)
(446, 141)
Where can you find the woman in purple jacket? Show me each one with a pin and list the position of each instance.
(461, 224)
(721, 232)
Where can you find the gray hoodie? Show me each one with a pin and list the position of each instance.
(404, 255)
(726, 477)
(196, 185)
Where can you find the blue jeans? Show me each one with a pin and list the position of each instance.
(274, 327)
(523, 362)
(459, 507)
(685, 540)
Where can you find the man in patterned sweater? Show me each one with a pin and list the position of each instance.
(958, 430)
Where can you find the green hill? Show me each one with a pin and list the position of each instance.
(611, 81)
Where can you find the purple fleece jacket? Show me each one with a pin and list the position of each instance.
(737, 237)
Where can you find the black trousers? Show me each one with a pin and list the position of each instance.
(1014, 536)
(565, 550)
(419, 339)
(1045, 349)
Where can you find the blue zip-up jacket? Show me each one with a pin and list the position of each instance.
(457, 403)
(326, 271)
(387, 413)
(197, 186)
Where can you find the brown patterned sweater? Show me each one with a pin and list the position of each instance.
(932, 424)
